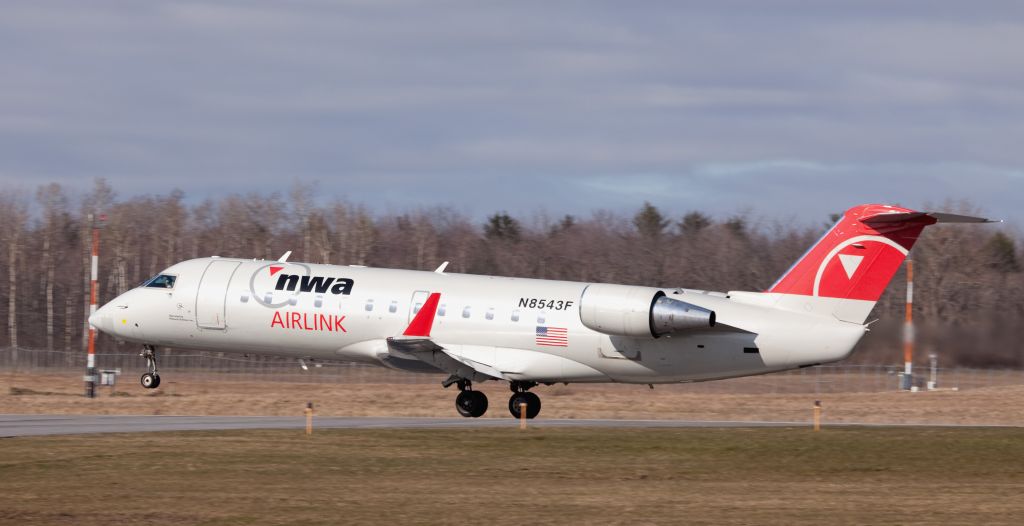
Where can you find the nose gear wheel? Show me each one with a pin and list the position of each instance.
(151, 379)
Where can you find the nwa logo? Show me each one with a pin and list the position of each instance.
(278, 284)
(309, 283)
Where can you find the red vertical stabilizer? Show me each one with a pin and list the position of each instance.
(858, 257)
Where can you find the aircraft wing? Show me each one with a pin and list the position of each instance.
(477, 362)
(415, 343)
(430, 352)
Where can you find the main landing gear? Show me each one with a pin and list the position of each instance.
(521, 395)
(150, 380)
(469, 403)
(473, 404)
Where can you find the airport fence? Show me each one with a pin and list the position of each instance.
(833, 378)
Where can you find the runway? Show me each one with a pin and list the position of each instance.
(36, 425)
(31, 425)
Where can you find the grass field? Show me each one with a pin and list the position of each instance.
(540, 476)
(189, 395)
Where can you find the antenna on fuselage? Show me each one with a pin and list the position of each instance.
(284, 258)
(440, 270)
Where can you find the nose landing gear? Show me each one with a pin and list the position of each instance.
(150, 380)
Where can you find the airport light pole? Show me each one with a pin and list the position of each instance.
(908, 331)
(90, 364)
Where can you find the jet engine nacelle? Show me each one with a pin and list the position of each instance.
(624, 310)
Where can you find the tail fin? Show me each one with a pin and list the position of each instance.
(855, 260)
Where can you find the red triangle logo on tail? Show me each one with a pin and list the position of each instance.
(274, 269)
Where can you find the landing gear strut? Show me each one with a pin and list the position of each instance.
(469, 403)
(150, 380)
(521, 395)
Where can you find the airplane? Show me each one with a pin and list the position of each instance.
(526, 332)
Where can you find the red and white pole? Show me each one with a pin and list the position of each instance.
(908, 331)
(90, 365)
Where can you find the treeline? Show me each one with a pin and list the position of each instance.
(969, 296)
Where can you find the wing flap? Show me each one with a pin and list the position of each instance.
(429, 352)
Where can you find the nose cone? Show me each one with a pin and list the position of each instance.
(100, 320)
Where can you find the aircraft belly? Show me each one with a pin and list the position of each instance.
(528, 365)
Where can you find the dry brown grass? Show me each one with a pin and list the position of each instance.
(189, 395)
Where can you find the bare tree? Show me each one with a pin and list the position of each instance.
(302, 202)
(14, 215)
(53, 202)
(970, 282)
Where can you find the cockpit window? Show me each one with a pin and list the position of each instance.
(163, 281)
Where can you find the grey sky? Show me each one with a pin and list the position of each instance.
(789, 109)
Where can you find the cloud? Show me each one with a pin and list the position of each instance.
(520, 105)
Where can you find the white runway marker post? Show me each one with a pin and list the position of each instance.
(309, 418)
(522, 415)
(817, 415)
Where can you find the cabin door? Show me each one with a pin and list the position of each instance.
(211, 297)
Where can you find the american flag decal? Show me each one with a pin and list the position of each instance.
(553, 336)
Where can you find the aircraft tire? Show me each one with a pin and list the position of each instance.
(531, 400)
(150, 381)
(471, 404)
(532, 405)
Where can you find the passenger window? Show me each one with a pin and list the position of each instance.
(465, 312)
(369, 305)
(416, 308)
(440, 310)
(319, 302)
(490, 314)
(540, 317)
(515, 315)
(393, 308)
(163, 281)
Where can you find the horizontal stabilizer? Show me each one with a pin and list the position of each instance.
(936, 217)
(943, 217)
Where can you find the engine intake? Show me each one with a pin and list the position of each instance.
(624, 310)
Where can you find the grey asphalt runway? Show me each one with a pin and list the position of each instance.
(29, 425)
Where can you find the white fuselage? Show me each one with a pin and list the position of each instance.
(234, 305)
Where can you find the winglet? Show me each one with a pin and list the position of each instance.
(284, 258)
(424, 320)
(440, 270)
